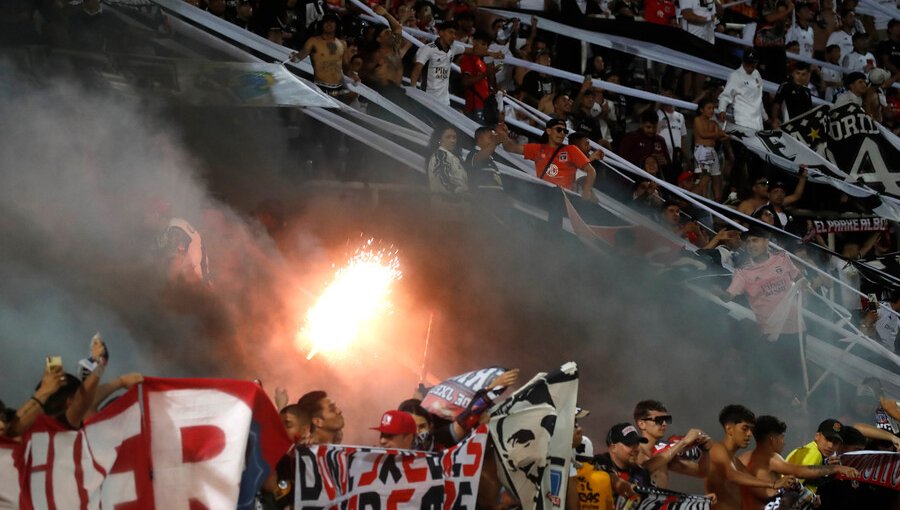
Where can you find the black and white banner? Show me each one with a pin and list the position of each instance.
(852, 141)
(658, 499)
(787, 152)
(532, 431)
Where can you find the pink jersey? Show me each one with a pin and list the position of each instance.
(766, 286)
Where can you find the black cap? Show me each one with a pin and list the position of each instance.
(831, 429)
(755, 231)
(553, 122)
(852, 77)
(750, 56)
(776, 185)
(626, 434)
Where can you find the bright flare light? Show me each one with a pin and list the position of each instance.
(358, 294)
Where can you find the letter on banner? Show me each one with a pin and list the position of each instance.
(198, 444)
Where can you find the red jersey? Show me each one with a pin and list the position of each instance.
(479, 91)
(661, 12)
(562, 169)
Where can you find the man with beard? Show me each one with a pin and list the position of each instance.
(327, 418)
(727, 473)
(766, 463)
(624, 443)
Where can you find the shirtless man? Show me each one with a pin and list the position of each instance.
(660, 456)
(766, 463)
(330, 58)
(727, 474)
(758, 198)
(384, 67)
(706, 133)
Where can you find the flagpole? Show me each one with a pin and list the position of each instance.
(800, 340)
(425, 355)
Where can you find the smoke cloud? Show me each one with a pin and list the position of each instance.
(80, 169)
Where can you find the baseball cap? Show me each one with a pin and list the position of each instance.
(396, 422)
(553, 122)
(776, 185)
(755, 231)
(852, 77)
(831, 429)
(626, 434)
(750, 56)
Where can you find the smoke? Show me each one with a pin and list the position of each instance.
(81, 168)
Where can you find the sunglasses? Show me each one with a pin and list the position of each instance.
(558, 129)
(659, 420)
(761, 183)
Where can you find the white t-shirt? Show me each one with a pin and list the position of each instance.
(843, 40)
(676, 120)
(804, 37)
(857, 62)
(438, 64)
(705, 8)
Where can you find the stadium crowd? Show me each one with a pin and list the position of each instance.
(641, 451)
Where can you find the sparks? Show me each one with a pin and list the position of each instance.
(358, 294)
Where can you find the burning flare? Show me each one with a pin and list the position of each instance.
(358, 294)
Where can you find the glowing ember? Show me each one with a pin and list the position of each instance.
(358, 294)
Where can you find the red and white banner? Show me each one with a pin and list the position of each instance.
(178, 444)
(336, 477)
(878, 468)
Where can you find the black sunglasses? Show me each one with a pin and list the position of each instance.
(659, 420)
(558, 129)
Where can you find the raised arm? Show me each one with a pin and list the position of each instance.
(52, 380)
(798, 191)
(507, 142)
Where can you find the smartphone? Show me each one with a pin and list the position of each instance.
(54, 361)
(873, 303)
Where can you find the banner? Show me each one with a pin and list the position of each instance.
(851, 140)
(187, 443)
(787, 152)
(333, 476)
(532, 432)
(453, 396)
(877, 468)
(850, 225)
(10, 460)
(656, 499)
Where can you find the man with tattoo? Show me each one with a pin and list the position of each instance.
(330, 58)
(384, 66)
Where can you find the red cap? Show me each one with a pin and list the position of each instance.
(396, 422)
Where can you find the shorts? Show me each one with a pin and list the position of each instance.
(337, 91)
(707, 159)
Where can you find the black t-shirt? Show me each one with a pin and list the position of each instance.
(537, 86)
(482, 174)
(796, 99)
(636, 475)
(891, 49)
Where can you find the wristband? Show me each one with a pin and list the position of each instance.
(38, 402)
